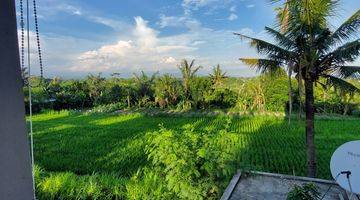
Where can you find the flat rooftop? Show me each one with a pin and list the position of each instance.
(269, 186)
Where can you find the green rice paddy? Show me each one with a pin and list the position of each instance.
(97, 147)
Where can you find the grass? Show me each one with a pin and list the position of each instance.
(99, 146)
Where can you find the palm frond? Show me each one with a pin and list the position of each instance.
(323, 41)
(281, 38)
(341, 84)
(350, 26)
(346, 53)
(262, 65)
(264, 47)
(349, 71)
(192, 63)
(153, 76)
(195, 70)
(309, 16)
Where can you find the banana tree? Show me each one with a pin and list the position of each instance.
(188, 71)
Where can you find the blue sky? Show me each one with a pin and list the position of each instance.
(125, 36)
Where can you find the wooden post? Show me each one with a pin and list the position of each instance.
(15, 167)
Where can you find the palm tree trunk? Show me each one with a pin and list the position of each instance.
(310, 139)
(128, 101)
(300, 96)
(290, 94)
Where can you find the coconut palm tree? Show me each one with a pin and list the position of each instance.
(188, 72)
(217, 77)
(314, 50)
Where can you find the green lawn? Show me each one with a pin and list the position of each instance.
(103, 144)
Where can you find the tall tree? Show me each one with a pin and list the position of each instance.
(218, 76)
(144, 84)
(314, 50)
(167, 90)
(188, 72)
(95, 84)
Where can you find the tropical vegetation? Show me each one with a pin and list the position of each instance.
(161, 136)
(184, 156)
(308, 48)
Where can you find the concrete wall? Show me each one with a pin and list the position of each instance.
(15, 168)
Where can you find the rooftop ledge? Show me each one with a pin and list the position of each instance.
(256, 185)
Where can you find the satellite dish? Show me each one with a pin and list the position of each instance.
(347, 159)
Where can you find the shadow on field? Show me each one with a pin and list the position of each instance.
(271, 145)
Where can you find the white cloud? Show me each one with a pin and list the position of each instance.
(250, 6)
(171, 21)
(53, 8)
(196, 3)
(169, 60)
(114, 24)
(146, 51)
(232, 17)
(191, 5)
(146, 36)
(141, 47)
(69, 9)
(176, 21)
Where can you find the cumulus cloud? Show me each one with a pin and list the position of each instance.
(138, 46)
(145, 50)
(169, 60)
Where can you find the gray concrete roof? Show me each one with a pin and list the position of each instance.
(261, 186)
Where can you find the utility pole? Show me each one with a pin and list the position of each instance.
(15, 166)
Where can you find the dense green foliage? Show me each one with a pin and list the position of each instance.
(127, 156)
(192, 164)
(67, 185)
(263, 93)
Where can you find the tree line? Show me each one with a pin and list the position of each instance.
(267, 92)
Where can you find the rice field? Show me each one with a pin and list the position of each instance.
(90, 148)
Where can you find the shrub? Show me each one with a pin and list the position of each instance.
(147, 184)
(192, 165)
(222, 98)
(200, 88)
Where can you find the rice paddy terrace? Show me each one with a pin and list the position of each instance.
(110, 147)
